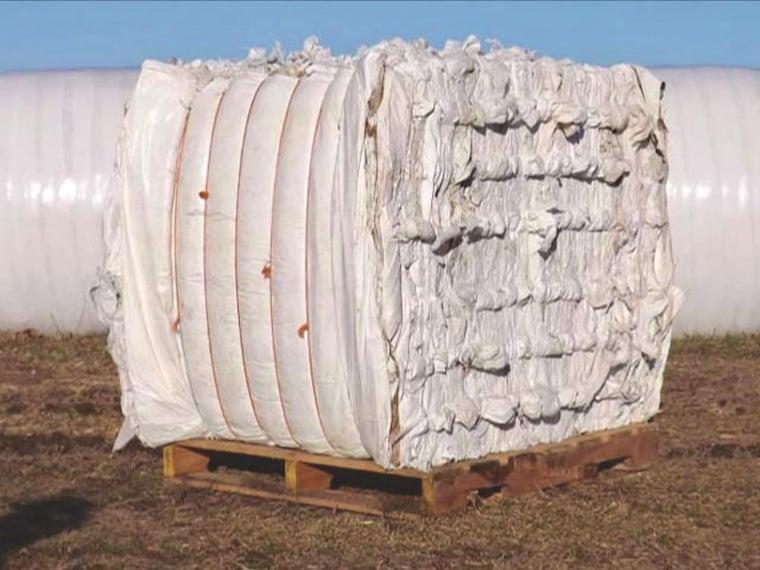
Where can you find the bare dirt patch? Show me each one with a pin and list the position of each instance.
(67, 502)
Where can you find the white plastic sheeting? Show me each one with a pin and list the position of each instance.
(56, 156)
(56, 159)
(215, 168)
(416, 256)
(713, 115)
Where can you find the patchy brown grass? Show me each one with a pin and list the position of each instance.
(66, 502)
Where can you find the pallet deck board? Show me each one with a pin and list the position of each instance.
(309, 478)
(273, 452)
(362, 503)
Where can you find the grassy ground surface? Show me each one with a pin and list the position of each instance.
(66, 502)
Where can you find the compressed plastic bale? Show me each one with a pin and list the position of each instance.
(242, 147)
(517, 248)
(415, 256)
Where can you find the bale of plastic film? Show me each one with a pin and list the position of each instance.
(412, 255)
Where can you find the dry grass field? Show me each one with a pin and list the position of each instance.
(67, 502)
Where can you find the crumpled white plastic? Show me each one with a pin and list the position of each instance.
(415, 255)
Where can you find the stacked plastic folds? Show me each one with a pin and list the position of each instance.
(416, 256)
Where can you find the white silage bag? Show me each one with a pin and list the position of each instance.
(413, 255)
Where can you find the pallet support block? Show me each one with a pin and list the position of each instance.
(646, 450)
(308, 478)
(300, 477)
(179, 460)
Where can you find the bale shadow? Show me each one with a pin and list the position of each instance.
(31, 521)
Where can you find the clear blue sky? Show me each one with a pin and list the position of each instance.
(122, 34)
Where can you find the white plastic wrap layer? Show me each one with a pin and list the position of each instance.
(416, 256)
(713, 117)
(51, 209)
(56, 158)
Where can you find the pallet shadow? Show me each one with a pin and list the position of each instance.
(31, 521)
(381, 491)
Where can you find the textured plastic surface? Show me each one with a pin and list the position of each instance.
(415, 256)
(516, 248)
(56, 159)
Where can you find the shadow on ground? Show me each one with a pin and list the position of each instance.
(31, 521)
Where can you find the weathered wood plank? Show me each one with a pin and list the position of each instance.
(331, 499)
(272, 452)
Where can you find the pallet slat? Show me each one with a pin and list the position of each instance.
(272, 452)
(330, 499)
(308, 477)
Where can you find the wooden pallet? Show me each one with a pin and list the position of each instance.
(362, 486)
